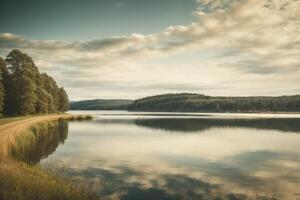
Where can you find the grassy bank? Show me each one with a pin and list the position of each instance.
(20, 181)
(23, 139)
(11, 128)
(7, 120)
(40, 141)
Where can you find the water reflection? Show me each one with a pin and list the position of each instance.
(194, 125)
(203, 124)
(132, 158)
(40, 142)
(113, 185)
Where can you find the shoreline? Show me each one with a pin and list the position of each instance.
(11, 128)
(32, 181)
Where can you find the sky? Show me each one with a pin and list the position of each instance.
(135, 48)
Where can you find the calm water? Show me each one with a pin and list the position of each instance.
(141, 156)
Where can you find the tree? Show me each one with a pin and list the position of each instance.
(44, 98)
(24, 90)
(63, 100)
(51, 88)
(21, 87)
(2, 79)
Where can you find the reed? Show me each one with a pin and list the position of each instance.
(78, 117)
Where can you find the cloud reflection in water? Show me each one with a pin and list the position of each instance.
(201, 158)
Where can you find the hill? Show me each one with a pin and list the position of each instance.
(100, 104)
(186, 102)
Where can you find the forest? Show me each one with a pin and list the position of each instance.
(100, 104)
(187, 102)
(25, 91)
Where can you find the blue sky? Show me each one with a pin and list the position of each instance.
(86, 20)
(135, 48)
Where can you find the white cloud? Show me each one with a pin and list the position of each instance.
(119, 4)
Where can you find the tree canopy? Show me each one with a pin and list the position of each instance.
(186, 102)
(24, 90)
(2, 76)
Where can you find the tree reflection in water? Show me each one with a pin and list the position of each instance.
(40, 142)
(194, 125)
(119, 159)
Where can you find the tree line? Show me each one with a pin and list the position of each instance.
(186, 102)
(24, 90)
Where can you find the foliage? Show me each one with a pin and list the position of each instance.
(2, 77)
(200, 103)
(100, 104)
(63, 100)
(24, 90)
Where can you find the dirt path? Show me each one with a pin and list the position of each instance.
(27, 122)
(9, 131)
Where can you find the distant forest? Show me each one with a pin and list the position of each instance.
(100, 104)
(185, 102)
(24, 90)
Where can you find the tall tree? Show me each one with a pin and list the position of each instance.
(51, 88)
(23, 90)
(44, 98)
(21, 87)
(63, 100)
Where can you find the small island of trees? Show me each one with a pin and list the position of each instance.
(25, 91)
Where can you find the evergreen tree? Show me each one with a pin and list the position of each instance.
(21, 87)
(186, 102)
(45, 99)
(63, 100)
(52, 89)
(2, 90)
(26, 90)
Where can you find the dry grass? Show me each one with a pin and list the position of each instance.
(11, 128)
(6, 120)
(21, 181)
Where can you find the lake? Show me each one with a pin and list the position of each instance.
(165, 156)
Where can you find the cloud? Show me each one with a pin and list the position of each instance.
(9, 40)
(119, 4)
(260, 29)
(263, 30)
(256, 37)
